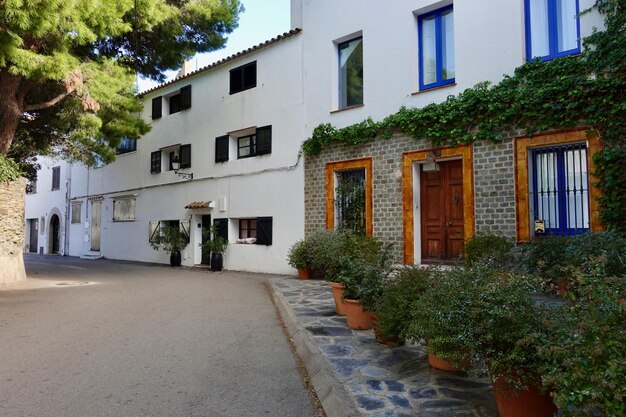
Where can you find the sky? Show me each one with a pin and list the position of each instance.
(261, 20)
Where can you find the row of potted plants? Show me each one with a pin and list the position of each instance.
(173, 241)
(498, 316)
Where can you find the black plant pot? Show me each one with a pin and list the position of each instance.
(217, 262)
(175, 259)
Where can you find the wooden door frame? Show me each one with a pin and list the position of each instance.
(463, 152)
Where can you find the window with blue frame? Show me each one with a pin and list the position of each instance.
(559, 189)
(552, 29)
(436, 48)
(350, 73)
(126, 145)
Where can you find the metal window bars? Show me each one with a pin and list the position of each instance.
(560, 189)
(350, 200)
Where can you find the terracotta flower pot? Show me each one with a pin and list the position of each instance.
(358, 319)
(338, 296)
(438, 363)
(527, 403)
(304, 273)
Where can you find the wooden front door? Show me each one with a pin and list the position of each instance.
(441, 201)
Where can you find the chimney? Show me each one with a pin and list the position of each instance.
(296, 14)
(185, 69)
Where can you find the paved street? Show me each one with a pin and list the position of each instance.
(143, 340)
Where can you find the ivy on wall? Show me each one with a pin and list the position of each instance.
(588, 90)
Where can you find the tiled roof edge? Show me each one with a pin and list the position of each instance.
(222, 61)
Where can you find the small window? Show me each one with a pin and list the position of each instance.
(559, 189)
(243, 78)
(350, 200)
(247, 228)
(552, 28)
(155, 162)
(175, 104)
(351, 73)
(436, 48)
(76, 209)
(246, 146)
(126, 145)
(56, 178)
(124, 209)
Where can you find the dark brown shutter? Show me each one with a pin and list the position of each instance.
(236, 80)
(221, 148)
(185, 156)
(221, 226)
(264, 140)
(56, 178)
(264, 230)
(157, 107)
(155, 162)
(185, 97)
(249, 75)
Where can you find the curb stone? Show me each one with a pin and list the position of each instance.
(335, 400)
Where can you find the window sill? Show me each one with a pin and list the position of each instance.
(356, 106)
(426, 90)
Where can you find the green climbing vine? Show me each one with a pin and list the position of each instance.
(588, 90)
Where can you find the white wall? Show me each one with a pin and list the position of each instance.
(489, 42)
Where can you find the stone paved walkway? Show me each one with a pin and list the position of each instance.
(389, 382)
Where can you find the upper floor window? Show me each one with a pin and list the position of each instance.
(246, 146)
(552, 28)
(56, 178)
(126, 145)
(243, 78)
(350, 73)
(436, 48)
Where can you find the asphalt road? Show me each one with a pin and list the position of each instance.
(143, 340)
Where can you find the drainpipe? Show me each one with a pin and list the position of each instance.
(68, 195)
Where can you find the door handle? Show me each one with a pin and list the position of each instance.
(456, 199)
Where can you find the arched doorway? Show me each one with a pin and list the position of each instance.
(54, 234)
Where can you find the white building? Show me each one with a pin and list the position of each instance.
(237, 125)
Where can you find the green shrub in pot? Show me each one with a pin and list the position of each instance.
(584, 353)
(300, 255)
(393, 309)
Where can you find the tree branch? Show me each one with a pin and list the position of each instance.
(46, 104)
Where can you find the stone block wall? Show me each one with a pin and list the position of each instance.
(12, 232)
(494, 186)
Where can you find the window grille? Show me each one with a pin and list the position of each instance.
(560, 190)
(350, 200)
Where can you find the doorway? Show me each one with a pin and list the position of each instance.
(442, 220)
(96, 207)
(55, 227)
(206, 236)
(33, 237)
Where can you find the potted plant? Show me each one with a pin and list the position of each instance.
(299, 257)
(216, 247)
(172, 241)
(584, 352)
(393, 309)
(438, 319)
(504, 328)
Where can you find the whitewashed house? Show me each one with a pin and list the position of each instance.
(235, 127)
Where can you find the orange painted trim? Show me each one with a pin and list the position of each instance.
(331, 169)
(465, 153)
(522, 195)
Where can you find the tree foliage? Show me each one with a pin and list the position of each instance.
(588, 90)
(67, 67)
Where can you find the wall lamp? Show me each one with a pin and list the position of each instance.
(176, 168)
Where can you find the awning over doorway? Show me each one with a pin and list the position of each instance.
(200, 205)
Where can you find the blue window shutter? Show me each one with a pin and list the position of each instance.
(264, 230)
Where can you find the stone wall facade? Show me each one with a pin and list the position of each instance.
(494, 186)
(12, 232)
